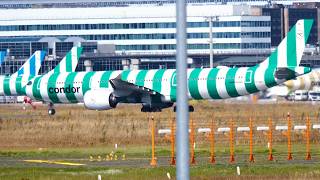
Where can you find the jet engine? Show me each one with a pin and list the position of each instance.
(100, 99)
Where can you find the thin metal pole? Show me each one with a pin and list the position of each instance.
(210, 41)
(182, 136)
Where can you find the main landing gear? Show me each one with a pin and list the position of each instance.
(51, 110)
(150, 109)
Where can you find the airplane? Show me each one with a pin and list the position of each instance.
(2, 57)
(156, 89)
(304, 82)
(14, 85)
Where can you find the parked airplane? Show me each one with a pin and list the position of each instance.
(156, 89)
(14, 85)
(305, 82)
(2, 57)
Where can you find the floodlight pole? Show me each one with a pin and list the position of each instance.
(182, 111)
(210, 41)
(210, 19)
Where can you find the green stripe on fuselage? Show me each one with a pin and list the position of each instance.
(18, 85)
(250, 83)
(104, 81)
(86, 84)
(230, 82)
(173, 85)
(193, 84)
(124, 75)
(211, 84)
(157, 79)
(70, 82)
(141, 77)
(6, 86)
(36, 88)
(52, 83)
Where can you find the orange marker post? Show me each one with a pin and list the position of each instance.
(251, 157)
(212, 159)
(192, 142)
(289, 137)
(308, 156)
(232, 160)
(270, 157)
(172, 139)
(153, 158)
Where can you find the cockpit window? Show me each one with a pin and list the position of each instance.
(29, 83)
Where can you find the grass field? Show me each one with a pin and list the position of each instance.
(288, 171)
(73, 126)
(76, 133)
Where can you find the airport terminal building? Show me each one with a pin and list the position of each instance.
(133, 31)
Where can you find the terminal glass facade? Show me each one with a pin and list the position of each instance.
(231, 34)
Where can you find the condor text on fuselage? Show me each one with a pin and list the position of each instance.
(68, 89)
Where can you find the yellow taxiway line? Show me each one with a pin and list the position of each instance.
(54, 162)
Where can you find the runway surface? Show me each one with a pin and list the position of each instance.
(135, 162)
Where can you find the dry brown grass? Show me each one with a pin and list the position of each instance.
(74, 126)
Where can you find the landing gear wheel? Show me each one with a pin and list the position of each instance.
(51, 111)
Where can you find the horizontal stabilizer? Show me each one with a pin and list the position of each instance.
(289, 72)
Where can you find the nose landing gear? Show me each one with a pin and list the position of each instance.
(51, 110)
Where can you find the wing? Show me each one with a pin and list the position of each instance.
(131, 93)
(120, 85)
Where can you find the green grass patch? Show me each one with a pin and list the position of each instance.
(145, 151)
(196, 172)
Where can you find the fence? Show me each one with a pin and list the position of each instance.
(243, 139)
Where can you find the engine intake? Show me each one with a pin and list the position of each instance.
(100, 99)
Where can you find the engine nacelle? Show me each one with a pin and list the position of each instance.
(100, 99)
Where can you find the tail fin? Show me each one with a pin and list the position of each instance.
(32, 66)
(2, 56)
(289, 52)
(69, 62)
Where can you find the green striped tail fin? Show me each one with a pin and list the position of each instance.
(290, 50)
(69, 62)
